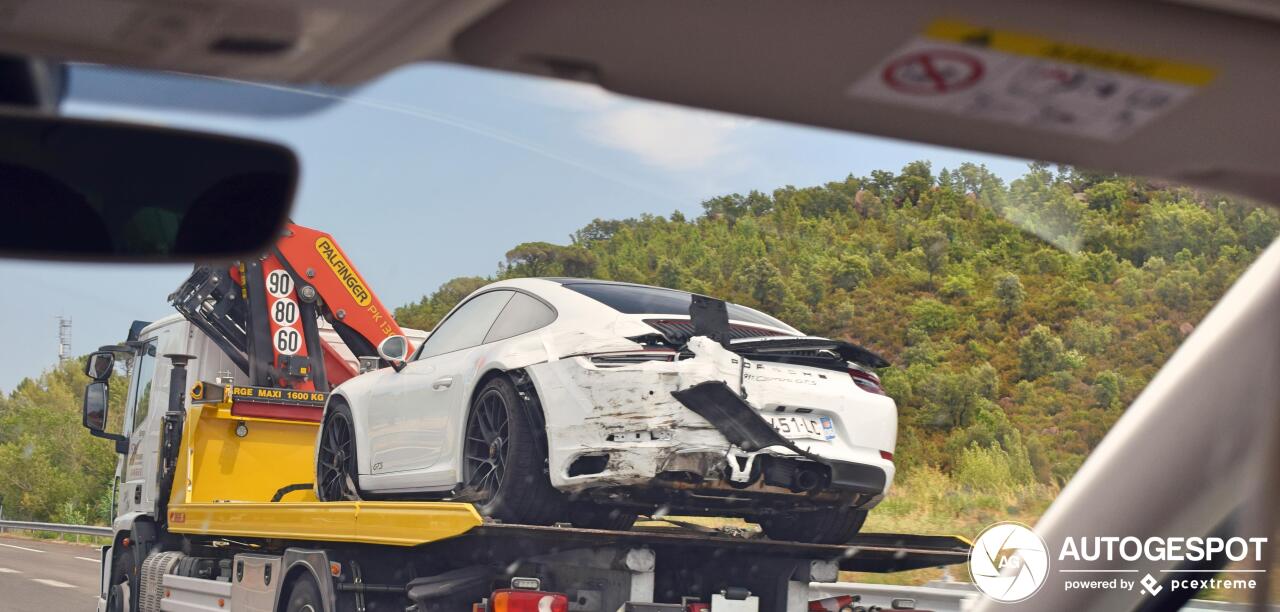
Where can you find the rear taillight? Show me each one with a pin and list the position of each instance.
(520, 600)
(867, 381)
(613, 360)
(886, 455)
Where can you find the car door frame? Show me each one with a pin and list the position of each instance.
(410, 398)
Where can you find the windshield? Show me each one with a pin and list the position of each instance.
(1024, 307)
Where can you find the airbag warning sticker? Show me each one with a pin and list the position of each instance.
(1013, 78)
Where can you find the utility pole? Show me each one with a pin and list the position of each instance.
(64, 338)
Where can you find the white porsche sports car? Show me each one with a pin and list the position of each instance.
(546, 399)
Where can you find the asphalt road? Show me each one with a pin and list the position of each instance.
(40, 576)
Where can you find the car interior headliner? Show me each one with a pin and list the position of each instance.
(776, 60)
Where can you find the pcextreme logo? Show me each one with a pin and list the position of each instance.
(1009, 562)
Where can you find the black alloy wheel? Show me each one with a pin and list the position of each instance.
(485, 451)
(336, 462)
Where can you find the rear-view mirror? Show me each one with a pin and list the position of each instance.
(107, 191)
(95, 406)
(99, 365)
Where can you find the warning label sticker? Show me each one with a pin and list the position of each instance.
(1007, 77)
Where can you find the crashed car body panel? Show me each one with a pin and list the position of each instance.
(628, 414)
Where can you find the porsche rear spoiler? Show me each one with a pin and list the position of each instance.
(788, 344)
(710, 318)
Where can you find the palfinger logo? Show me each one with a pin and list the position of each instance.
(1009, 562)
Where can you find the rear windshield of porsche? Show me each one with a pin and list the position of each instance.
(637, 299)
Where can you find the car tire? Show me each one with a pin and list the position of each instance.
(504, 469)
(304, 596)
(337, 475)
(831, 526)
(592, 516)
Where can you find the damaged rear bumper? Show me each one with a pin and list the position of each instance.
(683, 426)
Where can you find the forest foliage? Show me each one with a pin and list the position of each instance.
(51, 469)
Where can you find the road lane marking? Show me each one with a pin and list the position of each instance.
(5, 570)
(90, 559)
(53, 583)
(21, 547)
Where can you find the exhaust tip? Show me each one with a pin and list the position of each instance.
(806, 479)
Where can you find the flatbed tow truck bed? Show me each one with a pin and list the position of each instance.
(655, 561)
(409, 524)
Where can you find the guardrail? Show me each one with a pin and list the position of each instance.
(89, 530)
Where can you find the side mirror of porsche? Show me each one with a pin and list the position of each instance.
(394, 350)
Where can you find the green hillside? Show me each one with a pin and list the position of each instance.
(1021, 319)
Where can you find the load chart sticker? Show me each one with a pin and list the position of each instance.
(1008, 77)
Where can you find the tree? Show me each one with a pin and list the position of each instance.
(1039, 353)
(546, 259)
(532, 258)
(1106, 390)
(765, 286)
(51, 469)
(1010, 292)
(936, 245)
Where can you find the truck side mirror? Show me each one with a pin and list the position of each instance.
(99, 365)
(394, 349)
(95, 405)
(94, 413)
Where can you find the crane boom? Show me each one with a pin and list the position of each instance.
(264, 312)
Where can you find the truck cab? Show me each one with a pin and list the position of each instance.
(146, 400)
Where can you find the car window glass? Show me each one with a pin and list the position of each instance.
(632, 299)
(522, 314)
(467, 326)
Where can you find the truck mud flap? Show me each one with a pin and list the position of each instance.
(743, 427)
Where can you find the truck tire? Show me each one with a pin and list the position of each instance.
(503, 468)
(336, 471)
(304, 596)
(122, 595)
(832, 526)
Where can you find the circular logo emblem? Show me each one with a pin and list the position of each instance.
(1009, 562)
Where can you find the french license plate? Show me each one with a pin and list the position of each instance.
(803, 427)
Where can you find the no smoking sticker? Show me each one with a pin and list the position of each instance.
(1012, 78)
(936, 71)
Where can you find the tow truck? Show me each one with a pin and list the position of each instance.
(216, 507)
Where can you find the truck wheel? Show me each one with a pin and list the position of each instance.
(120, 592)
(831, 526)
(336, 472)
(304, 596)
(502, 467)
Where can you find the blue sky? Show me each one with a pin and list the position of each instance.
(434, 172)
